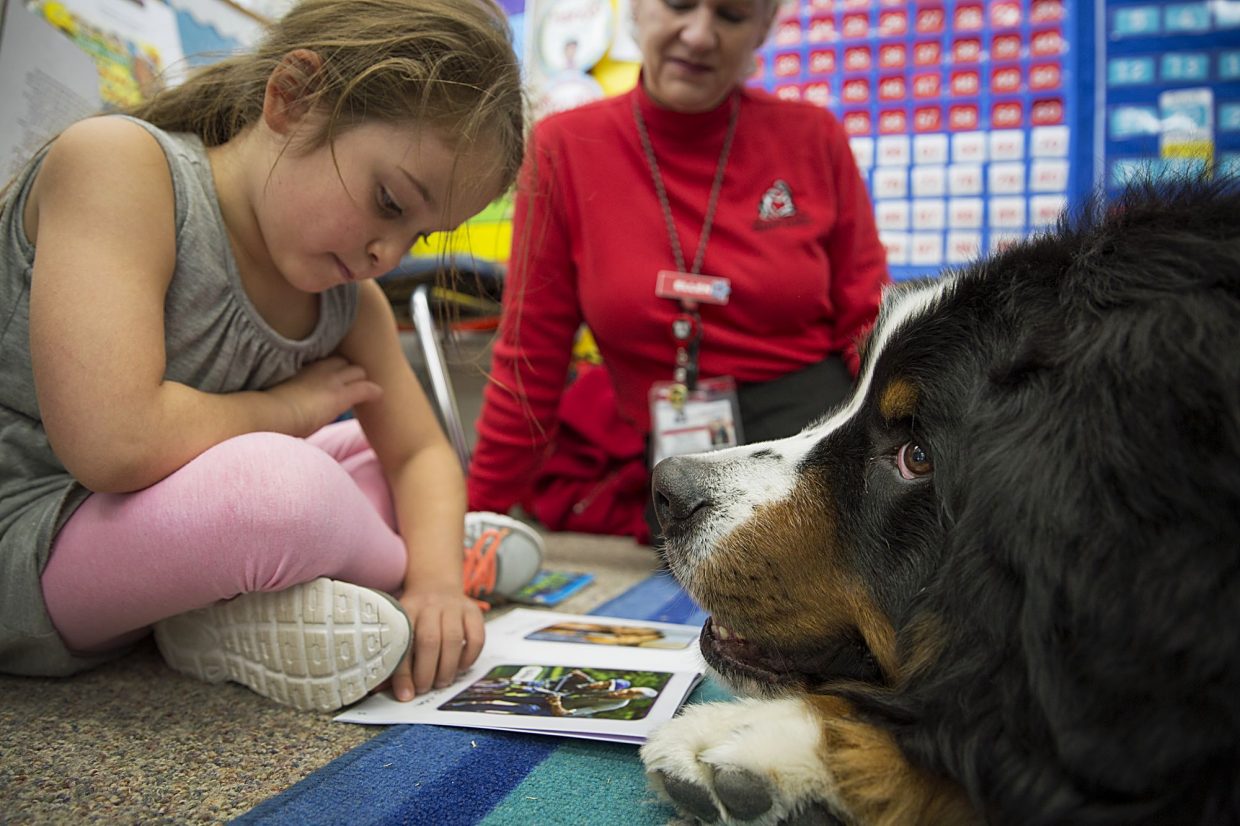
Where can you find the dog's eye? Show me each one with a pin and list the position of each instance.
(913, 460)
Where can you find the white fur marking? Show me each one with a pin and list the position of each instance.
(740, 485)
(777, 740)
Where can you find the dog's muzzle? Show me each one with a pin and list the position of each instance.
(677, 491)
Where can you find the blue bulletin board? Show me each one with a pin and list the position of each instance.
(1170, 89)
(976, 122)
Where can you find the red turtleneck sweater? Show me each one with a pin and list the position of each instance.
(589, 237)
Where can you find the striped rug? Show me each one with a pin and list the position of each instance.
(441, 776)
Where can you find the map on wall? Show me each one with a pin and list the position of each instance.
(136, 48)
(46, 83)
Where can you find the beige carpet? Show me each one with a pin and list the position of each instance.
(134, 742)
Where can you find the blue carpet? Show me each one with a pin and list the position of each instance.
(442, 776)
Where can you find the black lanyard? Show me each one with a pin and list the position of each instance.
(687, 326)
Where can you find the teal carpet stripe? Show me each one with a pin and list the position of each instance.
(584, 784)
(439, 776)
(591, 784)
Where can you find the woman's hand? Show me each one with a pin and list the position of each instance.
(321, 391)
(448, 633)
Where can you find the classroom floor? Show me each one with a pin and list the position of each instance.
(133, 741)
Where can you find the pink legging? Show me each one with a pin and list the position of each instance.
(260, 512)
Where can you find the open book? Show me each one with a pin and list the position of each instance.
(572, 675)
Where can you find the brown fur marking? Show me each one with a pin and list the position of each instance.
(875, 782)
(924, 638)
(898, 400)
(790, 548)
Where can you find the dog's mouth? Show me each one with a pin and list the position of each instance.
(736, 657)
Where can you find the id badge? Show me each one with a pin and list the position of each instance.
(694, 421)
(692, 288)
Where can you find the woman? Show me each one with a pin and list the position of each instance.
(756, 202)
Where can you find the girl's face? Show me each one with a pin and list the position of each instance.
(695, 52)
(326, 221)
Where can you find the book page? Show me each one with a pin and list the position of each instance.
(572, 675)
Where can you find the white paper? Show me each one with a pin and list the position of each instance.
(891, 215)
(897, 245)
(1007, 145)
(930, 149)
(1048, 175)
(891, 182)
(1007, 212)
(1005, 178)
(894, 150)
(516, 677)
(926, 249)
(929, 213)
(963, 247)
(929, 181)
(969, 147)
(863, 152)
(1049, 142)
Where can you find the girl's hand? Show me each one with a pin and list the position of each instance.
(321, 391)
(448, 632)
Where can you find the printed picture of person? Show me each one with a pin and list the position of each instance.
(599, 633)
(561, 692)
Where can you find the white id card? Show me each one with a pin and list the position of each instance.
(707, 419)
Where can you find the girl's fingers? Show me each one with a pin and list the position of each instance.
(475, 636)
(426, 645)
(450, 651)
(446, 641)
(402, 681)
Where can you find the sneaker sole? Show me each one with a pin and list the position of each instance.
(317, 646)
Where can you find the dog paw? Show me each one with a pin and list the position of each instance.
(751, 762)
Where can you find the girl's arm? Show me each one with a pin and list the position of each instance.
(102, 216)
(428, 491)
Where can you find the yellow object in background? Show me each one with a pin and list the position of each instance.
(615, 77)
(60, 17)
(585, 348)
(486, 237)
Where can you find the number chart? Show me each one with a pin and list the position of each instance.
(977, 122)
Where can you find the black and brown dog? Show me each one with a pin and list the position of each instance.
(1001, 584)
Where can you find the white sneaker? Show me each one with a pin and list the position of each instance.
(502, 554)
(319, 646)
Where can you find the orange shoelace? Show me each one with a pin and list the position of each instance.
(480, 564)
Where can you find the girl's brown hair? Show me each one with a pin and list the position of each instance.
(447, 64)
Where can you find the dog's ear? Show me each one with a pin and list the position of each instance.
(1033, 351)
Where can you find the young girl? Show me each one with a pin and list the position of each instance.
(186, 305)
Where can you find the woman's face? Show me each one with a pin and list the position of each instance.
(695, 52)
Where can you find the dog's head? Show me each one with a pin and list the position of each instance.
(1025, 520)
(810, 551)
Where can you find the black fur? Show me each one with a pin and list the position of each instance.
(1079, 543)
(1064, 586)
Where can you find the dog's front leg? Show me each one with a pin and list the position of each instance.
(793, 762)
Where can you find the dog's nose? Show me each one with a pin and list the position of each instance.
(677, 495)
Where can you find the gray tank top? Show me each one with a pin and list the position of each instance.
(215, 341)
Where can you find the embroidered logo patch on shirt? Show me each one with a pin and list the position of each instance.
(776, 203)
